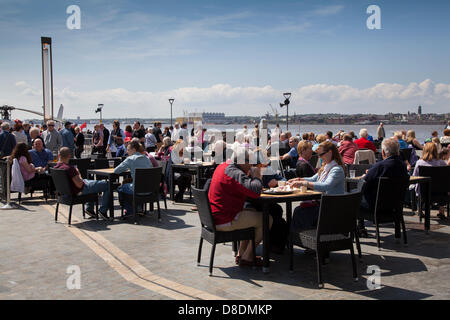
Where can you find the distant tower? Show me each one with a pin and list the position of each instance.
(419, 111)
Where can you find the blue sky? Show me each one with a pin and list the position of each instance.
(231, 56)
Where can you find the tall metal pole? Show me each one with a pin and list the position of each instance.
(287, 117)
(171, 100)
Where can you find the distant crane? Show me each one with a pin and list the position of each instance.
(275, 112)
(6, 112)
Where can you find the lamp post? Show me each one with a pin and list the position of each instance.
(99, 109)
(287, 96)
(171, 100)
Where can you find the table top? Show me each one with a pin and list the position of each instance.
(202, 164)
(106, 172)
(412, 179)
(295, 196)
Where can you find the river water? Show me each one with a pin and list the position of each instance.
(423, 132)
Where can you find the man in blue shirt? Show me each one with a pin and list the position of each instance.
(7, 141)
(67, 137)
(40, 156)
(135, 160)
(292, 155)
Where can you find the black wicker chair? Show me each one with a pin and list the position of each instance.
(440, 184)
(64, 194)
(388, 206)
(335, 230)
(146, 188)
(163, 165)
(209, 232)
(83, 165)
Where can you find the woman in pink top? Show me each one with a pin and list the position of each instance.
(348, 149)
(27, 168)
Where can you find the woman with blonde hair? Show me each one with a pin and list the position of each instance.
(411, 140)
(330, 180)
(430, 159)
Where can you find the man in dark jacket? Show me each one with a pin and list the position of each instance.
(392, 166)
(105, 137)
(7, 140)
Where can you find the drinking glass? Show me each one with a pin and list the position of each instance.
(281, 183)
(111, 163)
(352, 173)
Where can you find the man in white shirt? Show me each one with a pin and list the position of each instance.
(184, 134)
(176, 132)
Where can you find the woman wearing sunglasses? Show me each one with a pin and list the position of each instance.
(330, 179)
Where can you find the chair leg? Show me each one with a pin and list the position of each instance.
(135, 213)
(254, 252)
(159, 210)
(211, 259)
(96, 209)
(448, 210)
(291, 253)
(20, 197)
(378, 236)
(319, 268)
(70, 215)
(358, 246)
(152, 208)
(199, 255)
(82, 208)
(165, 202)
(352, 254)
(405, 239)
(235, 248)
(56, 211)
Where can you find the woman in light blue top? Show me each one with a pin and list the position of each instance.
(330, 180)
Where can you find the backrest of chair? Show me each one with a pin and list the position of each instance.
(364, 155)
(338, 213)
(390, 196)
(82, 165)
(440, 178)
(204, 208)
(101, 163)
(147, 180)
(360, 169)
(405, 154)
(117, 161)
(61, 181)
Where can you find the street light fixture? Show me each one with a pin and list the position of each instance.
(287, 96)
(171, 100)
(99, 109)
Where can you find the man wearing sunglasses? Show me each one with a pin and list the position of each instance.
(52, 138)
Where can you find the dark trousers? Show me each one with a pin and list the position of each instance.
(78, 151)
(305, 218)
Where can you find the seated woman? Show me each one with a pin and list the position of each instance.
(303, 168)
(347, 149)
(330, 179)
(430, 159)
(27, 167)
(164, 152)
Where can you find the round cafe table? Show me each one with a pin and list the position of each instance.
(265, 200)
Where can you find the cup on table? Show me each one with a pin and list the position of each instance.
(303, 189)
(281, 183)
(187, 161)
(352, 173)
(111, 163)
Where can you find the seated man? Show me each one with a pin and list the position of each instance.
(232, 183)
(391, 167)
(40, 156)
(134, 160)
(363, 142)
(292, 155)
(80, 186)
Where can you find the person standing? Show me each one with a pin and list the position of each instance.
(68, 140)
(97, 140)
(381, 134)
(176, 132)
(7, 141)
(183, 134)
(116, 135)
(157, 132)
(150, 141)
(26, 130)
(52, 138)
(138, 132)
(105, 138)
(79, 142)
(18, 133)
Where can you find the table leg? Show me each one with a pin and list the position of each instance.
(197, 180)
(289, 214)
(266, 239)
(172, 187)
(111, 201)
(427, 208)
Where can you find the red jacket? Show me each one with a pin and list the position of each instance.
(347, 151)
(229, 189)
(363, 143)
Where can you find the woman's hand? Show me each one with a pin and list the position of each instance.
(273, 183)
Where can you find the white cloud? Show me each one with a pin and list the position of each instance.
(317, 98)
(328, 10)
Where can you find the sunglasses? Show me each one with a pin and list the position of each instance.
(321, 154)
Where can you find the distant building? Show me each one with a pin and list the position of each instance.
(419, 111)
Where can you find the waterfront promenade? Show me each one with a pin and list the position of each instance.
(157, 260)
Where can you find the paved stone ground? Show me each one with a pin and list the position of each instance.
(35, 253)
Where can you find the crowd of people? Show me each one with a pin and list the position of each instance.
(243, 165)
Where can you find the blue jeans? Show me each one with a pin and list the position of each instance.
(126, 189)
(94, 186)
